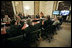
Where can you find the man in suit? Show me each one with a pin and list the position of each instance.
(23, 16)
(37, 16)
(48, 22)
(46, 27)
(14, 29)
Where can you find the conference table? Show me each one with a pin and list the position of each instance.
(6, 25)
(4, 28)
(26, 25)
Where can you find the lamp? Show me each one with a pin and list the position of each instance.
(27, 7)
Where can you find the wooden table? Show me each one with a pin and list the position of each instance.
(3, 29)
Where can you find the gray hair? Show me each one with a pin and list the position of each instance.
(29, 22)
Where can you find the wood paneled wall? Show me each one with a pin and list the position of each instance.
(64, 5)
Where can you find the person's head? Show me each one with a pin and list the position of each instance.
(6, 16)
(41, 14)
(13, 22)
(29, 22)
(48, 17)
(20, 14)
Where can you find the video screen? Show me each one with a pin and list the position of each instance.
(56, 12)
(64, 12)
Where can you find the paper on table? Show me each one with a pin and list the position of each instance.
(3, 23)
(38, 22)
(27, 25)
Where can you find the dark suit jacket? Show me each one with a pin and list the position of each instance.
(37, 16)
(47, 23)
(14, 30)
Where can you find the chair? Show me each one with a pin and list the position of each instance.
(17, 41)
(14, 31)
(22, 23)
(48, 33)
(58, 26)
(37, 26)
(33, 36)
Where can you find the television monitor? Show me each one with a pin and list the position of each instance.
(64, 12)
(56, 12)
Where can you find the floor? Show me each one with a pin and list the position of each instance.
(62, 39)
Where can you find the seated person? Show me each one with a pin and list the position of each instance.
(31, 26)
(23, 16)
(22, 23)
(41, 15)
(29, 16)
(27, 25)
(14, 29)
(6, 19)
(26, 17)
(56, 21)
(27, 29)
(37, 16)
(48, 22)
(60, 19)
(18, 19)
(28, 21)
(19, 14)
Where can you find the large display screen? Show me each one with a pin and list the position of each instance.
(56, 12)
(64, 12)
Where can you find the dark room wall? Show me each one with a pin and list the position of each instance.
(64, 5)
(6, 8)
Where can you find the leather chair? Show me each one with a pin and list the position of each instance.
(17, 41)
